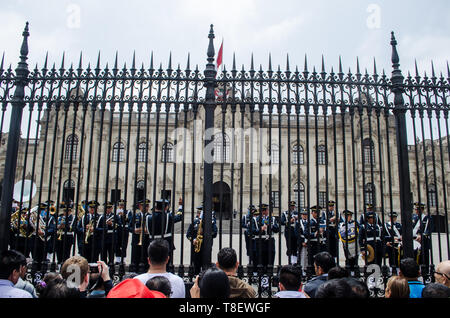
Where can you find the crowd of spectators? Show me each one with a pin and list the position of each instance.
(78, 279)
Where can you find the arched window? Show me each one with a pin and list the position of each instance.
(142, 152)
(71, 147)
(297, 155)
(369, 194)
(167, 153)
(368, 151)
(432, 195)
(118, 152)
(275, 154)
(321, 155)
(221, 148)
(299, 195)
(69, 184)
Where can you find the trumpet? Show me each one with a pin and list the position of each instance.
(90, 230)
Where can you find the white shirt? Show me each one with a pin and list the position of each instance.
(177, 283)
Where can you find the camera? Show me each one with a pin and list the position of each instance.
(93, 267)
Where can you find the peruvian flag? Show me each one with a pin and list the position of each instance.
(219, 56)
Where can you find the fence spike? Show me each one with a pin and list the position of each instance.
(252, 65)
(374, 67)
(133, 63)
(151, 62)
(433, 75)
(170, 61)
(3, 60)
(340, 65)
(287, 63)
(270, 62)
(234, 63)
(323, 64)
(188, 65)
(46, 61)
(62, 63)
(116, 60)
(357, 66)
(98, 62)
(306, 64)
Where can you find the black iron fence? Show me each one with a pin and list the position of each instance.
(279, 165)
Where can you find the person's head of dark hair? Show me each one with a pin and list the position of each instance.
(435, 290)
(409, 268)
(129, 275)
(291, 277)
(96, 281)
(359, 288)
(161, 284)
(324, 260)
(59, 289)
(11, 261)
(337, 272)
(158, 251)
(214, 284)
(49, 278)
(335, 288)
(227, 258)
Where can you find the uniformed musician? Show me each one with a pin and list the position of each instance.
(106, 233)
(245, 223)
(289, 219)
(196, 238)
(348, 231)
(370, 240)
(65, 232)
(86, 227)
(262, 229)
(123, 232)
(332, 235)
(139, 237)
(45, 224)
(302, 233)
(421, 224)
(393, 238)
(161, 222)
(21, 232)
(317, 233)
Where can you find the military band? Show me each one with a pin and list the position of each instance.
(45, 229)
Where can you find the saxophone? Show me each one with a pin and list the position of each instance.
(15, 222)
(199, 238)
(61, 230)
(89, 231)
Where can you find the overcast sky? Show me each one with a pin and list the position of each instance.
(348, 28)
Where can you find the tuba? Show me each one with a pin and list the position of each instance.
(199, 238)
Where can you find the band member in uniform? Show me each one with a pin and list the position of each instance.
(348, 230)
(194, 234)
(106, 234)
(370, 208)
(289, 219)
(302, 232)
(123, 231)
(161, 221)
(421, 234)
(46, 225)
(139, 237)
(317, 235)
(333, 221)
(65, 232)
(86, 232)
(393, 239)
(262, 228)
(245, 223)
(51, 231)
(370, 240)
(21, 232)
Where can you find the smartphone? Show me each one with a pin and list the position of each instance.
(93, 267)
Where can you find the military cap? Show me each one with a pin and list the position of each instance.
(331, 203)
(394, 214)
(347, 212)
(161, 203)
(93, 204)
(370, 214)
(291, 203)
(146, 201)
(43, 205)
(419, 204)
(200, 208)
(263, 206)
(121, 201)
(303, 211)
(251, 207)
(315, 208)
(108, 204)
(369, 206)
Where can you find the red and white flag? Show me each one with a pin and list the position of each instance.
(220, 56)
